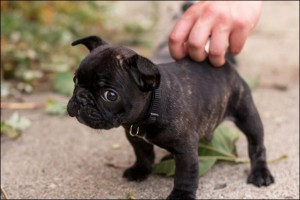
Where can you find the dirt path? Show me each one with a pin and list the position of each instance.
(59, 158)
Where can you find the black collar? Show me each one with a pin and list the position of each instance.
(151, 115)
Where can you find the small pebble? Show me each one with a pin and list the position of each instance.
(116, 146)
(52, 186)
(220, 186)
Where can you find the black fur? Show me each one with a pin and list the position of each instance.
(195, 99)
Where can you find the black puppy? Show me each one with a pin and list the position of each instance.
(170, 105)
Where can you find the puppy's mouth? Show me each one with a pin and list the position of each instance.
(92, 117)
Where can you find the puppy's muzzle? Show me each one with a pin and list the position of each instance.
(80, 100)
(72, 108)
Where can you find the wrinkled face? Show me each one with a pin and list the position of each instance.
(109, 88)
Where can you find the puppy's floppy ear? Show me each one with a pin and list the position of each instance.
(144, 72)
(91, 42)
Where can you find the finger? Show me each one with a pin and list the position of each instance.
(180, 33)
(218, 46)
(237, 41)
(198, 38)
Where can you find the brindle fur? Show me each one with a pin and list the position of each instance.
(196, 98)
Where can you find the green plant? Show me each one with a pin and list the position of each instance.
(63, 83)
(14, 126)
(220, 148)
(36, 36)
(54, 107)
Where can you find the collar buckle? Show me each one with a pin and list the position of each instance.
(136, 131)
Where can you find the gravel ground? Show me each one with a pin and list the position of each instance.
(59, 158)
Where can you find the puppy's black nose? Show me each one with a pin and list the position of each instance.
(84, 98)
(82, 101)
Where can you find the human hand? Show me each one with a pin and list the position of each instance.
(226, 23)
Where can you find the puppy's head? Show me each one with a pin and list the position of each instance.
(112, 85)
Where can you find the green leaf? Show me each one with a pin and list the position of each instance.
(131, 195)
(14, 125)
(221, 147)
(166, 167)
(54, 107)
(63, 83)
(8, 130)
(18, 123)
(222, 143)
(205, 164)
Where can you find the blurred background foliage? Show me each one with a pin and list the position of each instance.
(36, 38)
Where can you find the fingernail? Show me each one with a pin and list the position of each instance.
(206, 48)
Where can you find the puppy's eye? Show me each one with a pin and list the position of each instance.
(110, 95)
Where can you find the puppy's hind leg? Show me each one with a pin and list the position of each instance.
(144, 159)
(249, 122)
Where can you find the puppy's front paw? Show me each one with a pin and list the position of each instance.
(180, 194)
(136, 173)
(261, 177)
